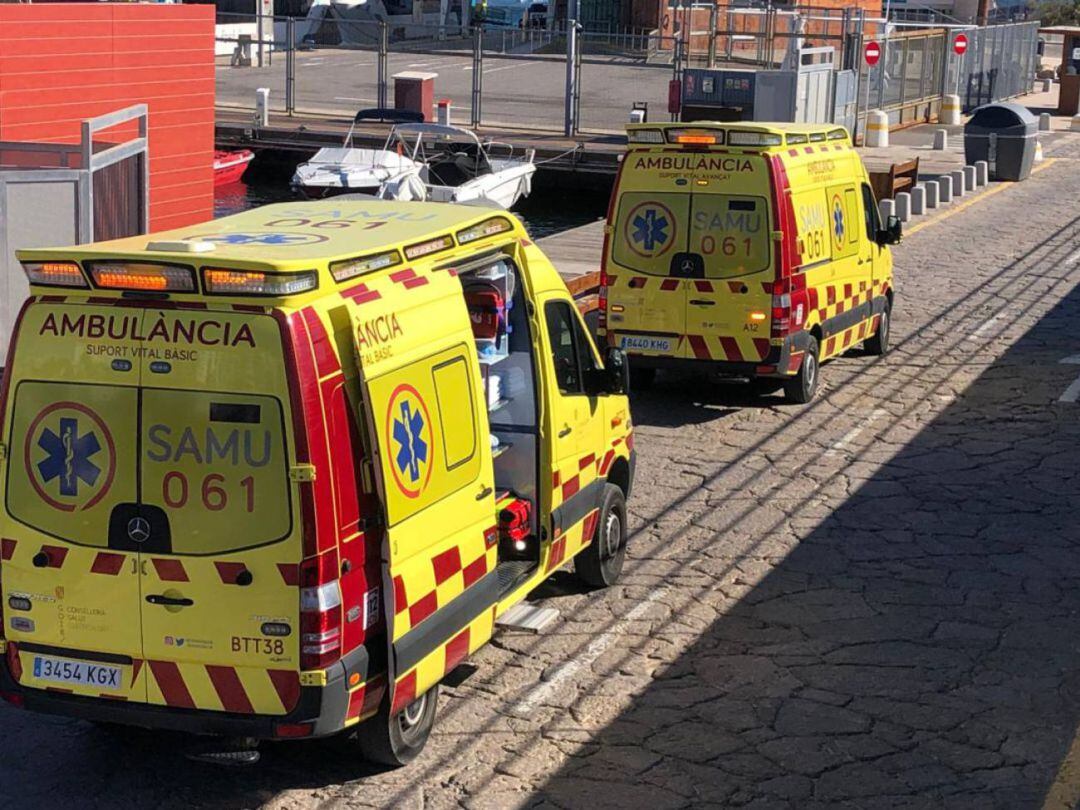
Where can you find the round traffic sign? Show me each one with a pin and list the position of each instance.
(872, 52)
(959, 44)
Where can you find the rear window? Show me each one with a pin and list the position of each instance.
(655, 231)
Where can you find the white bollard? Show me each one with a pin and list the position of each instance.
(1048, 85)
(941, 139)
(918, 200)
(950, 110)
(945, 188)
(1075, 125)
(1045, 122)
(262, 107)
(982, 172)
(957, 182)
(903, 206)
(877, 128)
(886, 208)
(970, 178)
(932, 191)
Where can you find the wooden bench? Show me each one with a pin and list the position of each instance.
(899, 177)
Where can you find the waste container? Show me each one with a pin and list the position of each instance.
(1004, 136)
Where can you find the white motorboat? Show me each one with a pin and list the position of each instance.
(346, 169)
(452, 165)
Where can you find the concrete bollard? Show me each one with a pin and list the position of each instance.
(941, 139)
(950, 110)
(877, 128)
(903, 206)
(886, 208)
(970, 176)
(1048, 85)
(1075, 125)
(918, 200)
(932, 191)
(262, 107)
(945, 188)
(982, 172)
(957, 182)
(1045, 122)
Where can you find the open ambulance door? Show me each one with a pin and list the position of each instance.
(434, 474)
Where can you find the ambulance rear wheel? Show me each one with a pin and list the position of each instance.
(642, 378)
(601, 562)
(398, 740)
(879, 343)
(801, 388)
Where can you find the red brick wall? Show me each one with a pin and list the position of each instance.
(63, 62)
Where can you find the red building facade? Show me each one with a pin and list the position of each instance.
(63, 62)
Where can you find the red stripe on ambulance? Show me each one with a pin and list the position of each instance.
(106, 563)
(7, 548)
(229, 689)
(287, 685)
(170, 570)
(173, 688)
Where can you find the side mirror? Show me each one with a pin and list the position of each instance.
(616, 371)
(892, 233)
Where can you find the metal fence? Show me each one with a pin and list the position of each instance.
(575, 79)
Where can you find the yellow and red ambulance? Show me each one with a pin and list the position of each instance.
(755, 249)
(276, 475)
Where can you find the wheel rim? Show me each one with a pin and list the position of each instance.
(884, 328)
(612, 536)
(412, 716)
(811, 371)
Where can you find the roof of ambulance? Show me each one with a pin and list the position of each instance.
(291, 235)
(748, 126)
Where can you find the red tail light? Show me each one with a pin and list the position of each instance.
(320, 611)
(602, 319)
(14, 699)
(13, 662)
(293, 730)
(787, 253)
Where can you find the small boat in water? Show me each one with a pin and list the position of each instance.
(229, 167)
(346, 169)
(453, 165)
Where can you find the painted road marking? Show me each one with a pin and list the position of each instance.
(568, 671)
(984, 328)
(354, 98)
(505, 67)
(1073, 258)
(1072, 393)
(853, 434)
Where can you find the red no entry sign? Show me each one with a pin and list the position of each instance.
(872, 53)
(959, 45)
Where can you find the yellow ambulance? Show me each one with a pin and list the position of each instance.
(275, 476)
(753, 248)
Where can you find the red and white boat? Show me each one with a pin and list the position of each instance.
(229, 167)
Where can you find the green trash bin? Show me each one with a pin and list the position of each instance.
(1004, 135)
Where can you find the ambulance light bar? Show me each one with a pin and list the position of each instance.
(696, 137)
(142, 276)
(224, 281)
(351, 268)
(429, 247)
(741, 138)
(645, 136)
(55, 274)
(489, 227)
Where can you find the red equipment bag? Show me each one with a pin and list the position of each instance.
(514, 520)
(487, 311)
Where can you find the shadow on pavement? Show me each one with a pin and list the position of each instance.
(919, 648)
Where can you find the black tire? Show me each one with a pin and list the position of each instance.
(398, 740)
(801, 388)
(601, 562)
(642, 379)
(879, 343)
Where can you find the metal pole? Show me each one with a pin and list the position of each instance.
(569, 125)
(290, 66)
(259, 32)
(856, 64)
(477, 74)
(712, 34)
(381, 63)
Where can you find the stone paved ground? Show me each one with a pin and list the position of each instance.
(870, 602)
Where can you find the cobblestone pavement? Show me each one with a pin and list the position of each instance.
(869, 602)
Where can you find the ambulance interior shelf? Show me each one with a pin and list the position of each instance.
(504, 347)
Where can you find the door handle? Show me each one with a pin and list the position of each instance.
(161, 599)
(566, 431)
(698, 302)
(484, 493)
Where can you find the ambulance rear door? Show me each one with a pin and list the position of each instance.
(70, 576)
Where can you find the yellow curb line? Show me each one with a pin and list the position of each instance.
(1046, 164)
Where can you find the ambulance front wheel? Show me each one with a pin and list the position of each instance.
(801, 388)
(601, 562)
(398, 740)
(879, 343)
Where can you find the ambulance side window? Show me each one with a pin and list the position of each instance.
(569, 347)
(870, 212)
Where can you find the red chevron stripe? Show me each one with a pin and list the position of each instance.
(290, 573)
(361, 294)
(170, 570)
(7, 548)
(229, 689)
(762, 346)
(669, 284)
(287, 685)
(731, 348)
(106, 563)
(229, 571)
(173, 689)
(700, 347)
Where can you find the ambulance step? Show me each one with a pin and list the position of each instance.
(511, 573)
(524, 616)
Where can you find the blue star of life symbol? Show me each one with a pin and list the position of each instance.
(650, 229)
(414, 449)
(258, 238)
(838, 221)
(69, 457)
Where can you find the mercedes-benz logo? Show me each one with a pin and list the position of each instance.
(138, 529)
